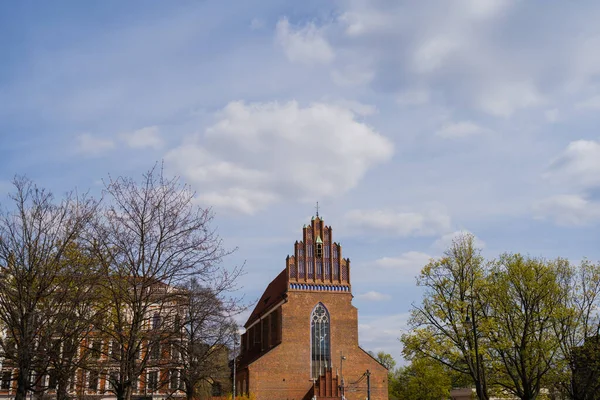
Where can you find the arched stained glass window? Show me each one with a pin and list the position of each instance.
(320, 341)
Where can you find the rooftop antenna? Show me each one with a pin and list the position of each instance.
(317, 208)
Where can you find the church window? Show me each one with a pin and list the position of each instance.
(319, 250)
(309, 250)
(320, 341)
(311, 269)
(319, 269)
(327, 250)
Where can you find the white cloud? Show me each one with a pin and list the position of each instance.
(306, 45)
(552, 115)
(352, 75)
(88, 144)
(414, 97)
(432, 54)
(403, 268)
(457, 130)
(503, 98)
(261, 153)
(374, 296)
(256, 24)
(145, 137)
(593, 103)
(578, 165)
(446, 240)
(358, 107)
(568, 210)
(382, 333)
(430, 222)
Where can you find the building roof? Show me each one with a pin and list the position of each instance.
(272, 295)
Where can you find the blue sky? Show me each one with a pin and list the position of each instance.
(407, 121)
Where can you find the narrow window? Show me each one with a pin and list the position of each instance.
(155, 351)
(6, 378)
(153, 380)
(156, 321)
(174, 380)
(93, 380)
(320, 344)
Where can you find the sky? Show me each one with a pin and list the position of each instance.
(407, 121)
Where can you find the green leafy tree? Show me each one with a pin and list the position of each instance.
(450, 325)
(525, 296)
(423, 379)
(576, 373)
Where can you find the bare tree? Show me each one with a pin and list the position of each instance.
(150, 240)
(35, 235)
(206, 337)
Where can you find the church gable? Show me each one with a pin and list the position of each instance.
(317, 263)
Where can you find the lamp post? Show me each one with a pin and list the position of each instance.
(342, 358)
(234, 362)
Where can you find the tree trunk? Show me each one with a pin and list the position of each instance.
(22, 382)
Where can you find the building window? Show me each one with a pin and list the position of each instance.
(96, 349)
(93, 380)
(113, 379)
(6, 378)
(156, 321)
(155, 351)
(320, 342)
(153, 380)
(319, 269)
(174, 380)
(52, 379)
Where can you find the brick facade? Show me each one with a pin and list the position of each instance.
(276, 357)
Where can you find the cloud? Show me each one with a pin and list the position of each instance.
(382, 333)
(578, 165)
(90, 145)
(358, 108)
(552, 115)
(592, 103)
(431, 55)
(413, 97)
(374, 296)
(457, 130)
(262, 153)
(503, 98)
(305, 45)
(446, 240)
(568, 210)
(391, 270)
(145, 137)
(427, 223)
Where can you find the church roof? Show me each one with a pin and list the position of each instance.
(273, 294)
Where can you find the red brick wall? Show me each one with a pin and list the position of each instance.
(284, 372)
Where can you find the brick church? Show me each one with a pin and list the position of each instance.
(301, 340)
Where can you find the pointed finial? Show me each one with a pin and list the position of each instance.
(317, 208)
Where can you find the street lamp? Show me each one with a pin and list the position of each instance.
(342, 358)
(235, 337)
